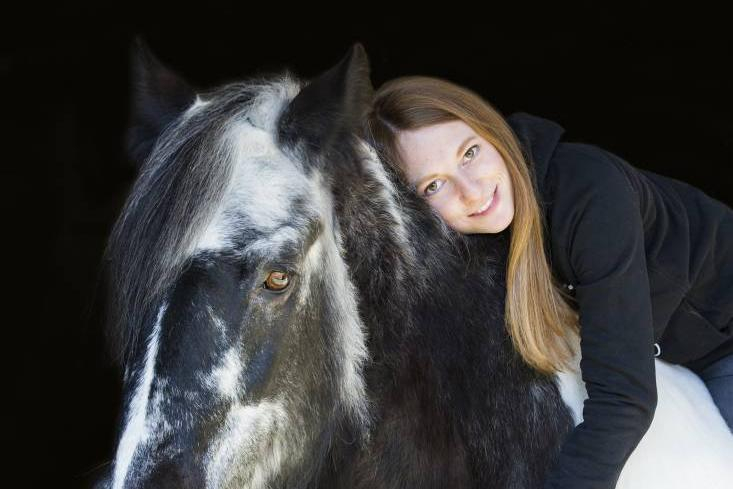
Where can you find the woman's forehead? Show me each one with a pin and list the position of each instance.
(441, 132)
(427, 148)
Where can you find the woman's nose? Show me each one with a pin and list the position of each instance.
(470, 190)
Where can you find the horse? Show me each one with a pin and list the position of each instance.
(286, 313)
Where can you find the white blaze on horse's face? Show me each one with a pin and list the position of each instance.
(137, 422)
(272, 193)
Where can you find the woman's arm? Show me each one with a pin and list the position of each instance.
(605, 245)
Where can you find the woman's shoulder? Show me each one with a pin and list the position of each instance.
(580, 174)
(589, 161)
(593, 210)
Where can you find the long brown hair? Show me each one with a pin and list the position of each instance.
(539, 320)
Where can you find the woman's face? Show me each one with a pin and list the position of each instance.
(459, 173)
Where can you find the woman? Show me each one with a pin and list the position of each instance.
(638, 264)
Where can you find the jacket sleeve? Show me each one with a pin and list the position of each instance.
(605, 245)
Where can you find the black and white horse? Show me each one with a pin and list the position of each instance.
(288, 315)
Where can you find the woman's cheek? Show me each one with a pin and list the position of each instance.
(441, 209)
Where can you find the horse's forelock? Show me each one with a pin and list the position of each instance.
(180, 188)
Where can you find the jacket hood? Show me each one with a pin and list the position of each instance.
(539, 138)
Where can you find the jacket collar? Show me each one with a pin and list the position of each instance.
(538, 137)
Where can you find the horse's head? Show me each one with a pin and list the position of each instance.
(233, 313)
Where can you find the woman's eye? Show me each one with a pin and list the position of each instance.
(431, 188)
(471, 151)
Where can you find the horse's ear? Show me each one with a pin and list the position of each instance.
(158, 96)
(334, 103)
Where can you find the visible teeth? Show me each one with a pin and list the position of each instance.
(486, 206)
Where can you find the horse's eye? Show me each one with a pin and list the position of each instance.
(277, 281)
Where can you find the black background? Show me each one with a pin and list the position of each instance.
(647, 81)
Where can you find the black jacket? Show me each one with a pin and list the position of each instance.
(649, 260)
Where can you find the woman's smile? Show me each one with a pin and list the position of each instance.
(488, 206)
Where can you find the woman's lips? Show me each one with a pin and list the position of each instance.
(494, 200)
